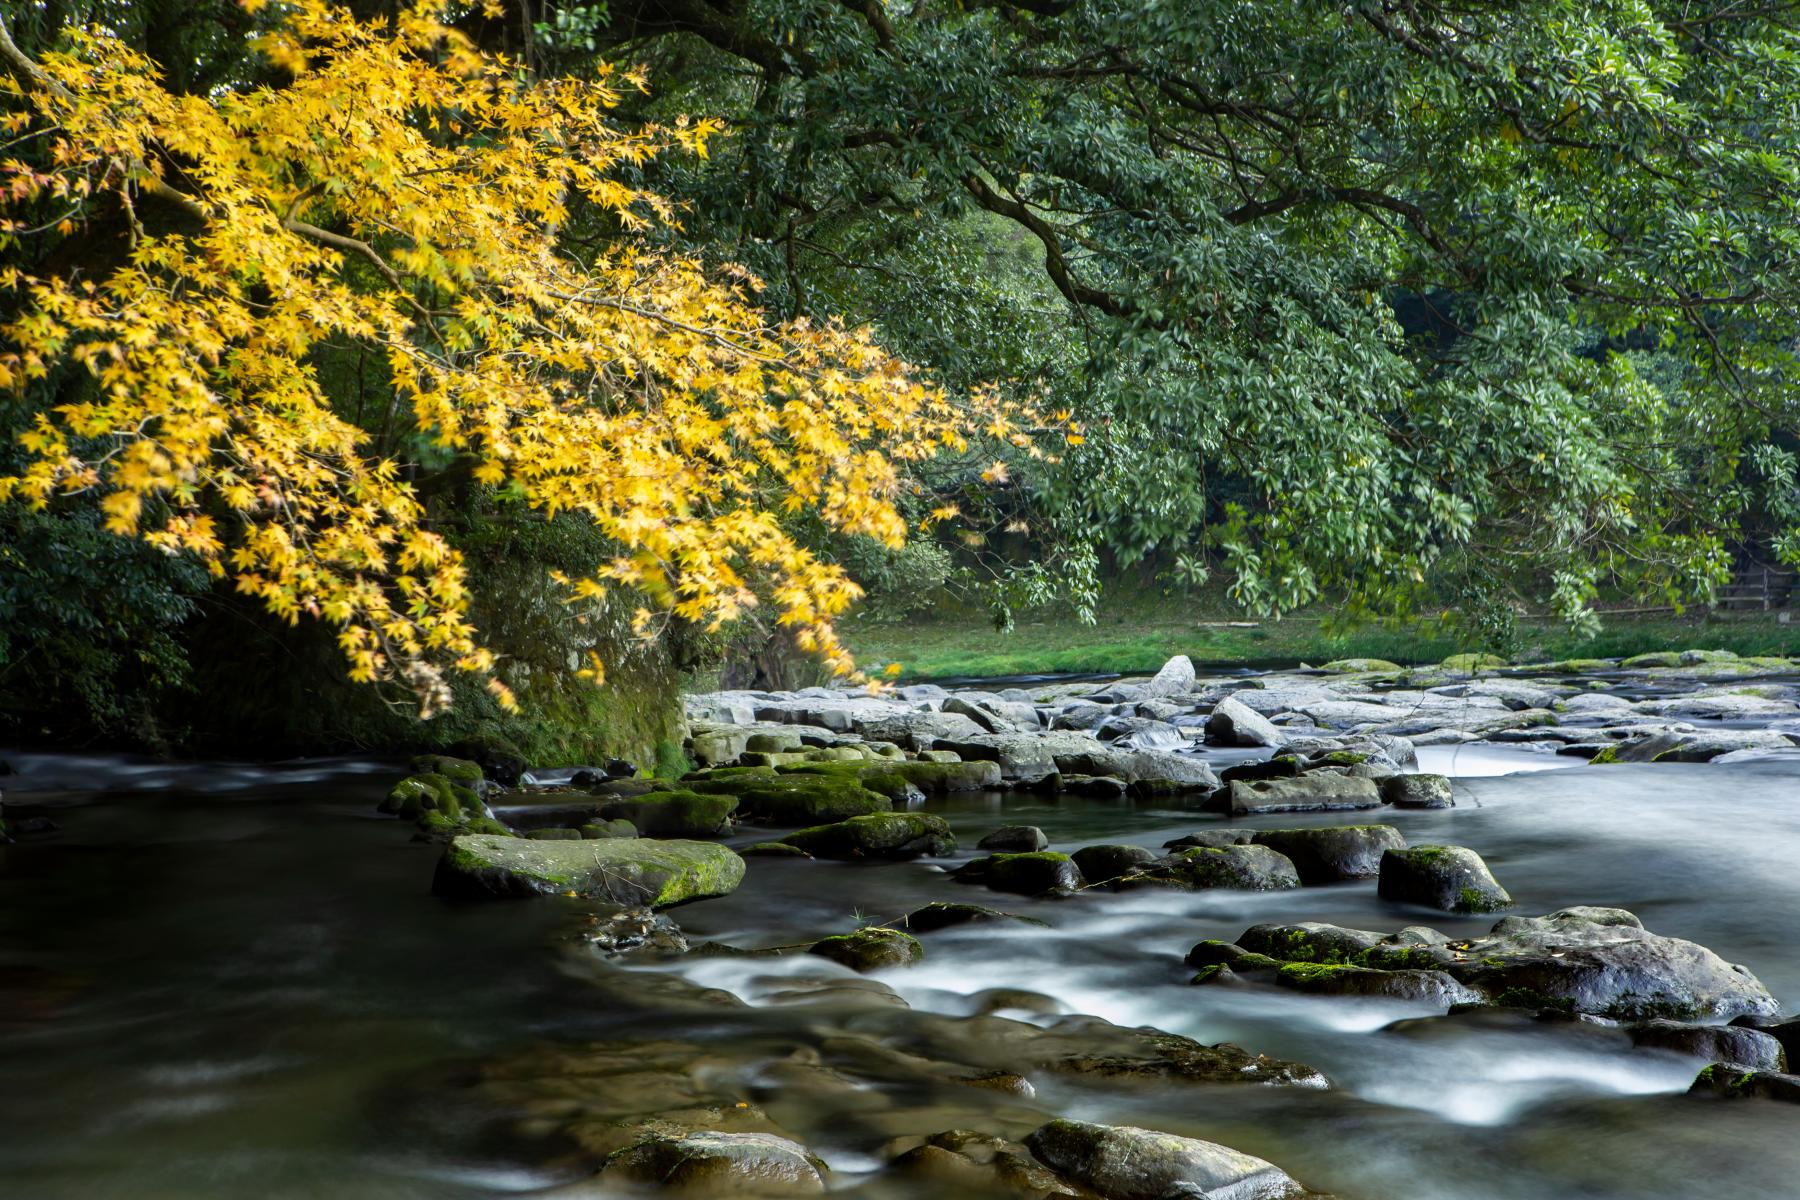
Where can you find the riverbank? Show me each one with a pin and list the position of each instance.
(1136, 634)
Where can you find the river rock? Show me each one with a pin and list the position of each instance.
(1025, 874)
(628, 871)
(1694, 746)
(1735, 1044)
(871, 949)
(1604, 962)
(1307, 793)
(1125, 1162)
(1015, 839)
(798, 798)
(1175, 678)
(1101, 864)
(945, 914)
(1410, 984)
(1332, 853)
(992, 714)
(1234, 723)
(1451, 878)
(1418, 791)
(675, 814)
(709, 1164)
(1246, 868)
(1140, 733)
(1732, 1082)
(877, 835)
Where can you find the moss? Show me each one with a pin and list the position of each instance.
(1659, 658)
(1608, 754)
(1581, 666)
(1474, 900)
(1342, 758)
(1307, 972)
(607, 829)
(625, 870)
(871, 949)
(674, 813)
(1209, 974)
(878, 835)
(1474, 662)
(457, 770)
(1350, 666)
(553, 835)
(670, 761)
(488, 825)
(1524, 997)
(799, 799)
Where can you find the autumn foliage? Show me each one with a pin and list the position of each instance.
(404, 191)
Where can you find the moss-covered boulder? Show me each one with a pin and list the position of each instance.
(871, 949)
(674, 814)
(1024, 874)
(428, 792)
(457, 770)
(1357, 666)
(633, 871)
(1451, 878)
(1661, 658)
(1421, 790)
(1472, 663)
(878, 835)
(795, 798)
(1246, 868)
(1101, 864)
(616, 828)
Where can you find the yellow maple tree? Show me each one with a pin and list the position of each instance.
(404, 190)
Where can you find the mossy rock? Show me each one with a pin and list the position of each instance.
(1025, 874)
(871, 949)
(948, 914)
(417, 793)
(892, 777)
(633, 871)
(674, 813)
(1472, 663)
(773, 850)
(490, 826)
(803, 799)
(553, 834)
(617, 828)
(1357, 666)
(1694, 658)
(1661, 658)
(1245, 868)
(457, 770)
(1581, 666)
(1451, 878)
(878, 835)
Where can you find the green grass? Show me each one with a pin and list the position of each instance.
(1135, 635)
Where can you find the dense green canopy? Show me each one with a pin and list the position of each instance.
(1386, 295)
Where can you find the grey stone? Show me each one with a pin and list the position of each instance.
(1124, 1162)
(1451, 878)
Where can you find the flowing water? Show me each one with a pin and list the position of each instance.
(232, 981)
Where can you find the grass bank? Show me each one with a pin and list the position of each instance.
(1137, 634)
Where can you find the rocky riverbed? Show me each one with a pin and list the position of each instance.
(1181, 935)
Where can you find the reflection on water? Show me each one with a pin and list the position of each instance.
(212, 991)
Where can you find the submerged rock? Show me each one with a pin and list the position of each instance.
(946, 914)
(1451, 878)
(1125, 1162)
(1332, 853)
(871, 949)
(877, 835)
(631, 871)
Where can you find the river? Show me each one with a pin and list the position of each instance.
(233, 981)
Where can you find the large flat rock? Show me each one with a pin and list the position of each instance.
(634, 871)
